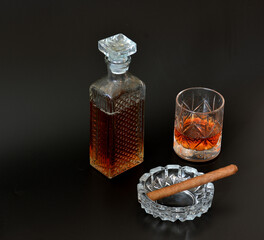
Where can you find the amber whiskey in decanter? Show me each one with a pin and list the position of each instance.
(117, 111)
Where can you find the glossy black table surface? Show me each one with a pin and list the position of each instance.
(49, 58)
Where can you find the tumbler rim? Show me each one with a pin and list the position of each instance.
(204, 88)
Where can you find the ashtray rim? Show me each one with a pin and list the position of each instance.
(172, 213)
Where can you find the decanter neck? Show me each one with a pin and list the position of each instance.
(117, 70)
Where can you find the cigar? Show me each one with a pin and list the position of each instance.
(193, 182)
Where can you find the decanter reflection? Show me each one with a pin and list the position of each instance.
(117, 111)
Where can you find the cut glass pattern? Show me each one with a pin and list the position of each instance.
(182, 206)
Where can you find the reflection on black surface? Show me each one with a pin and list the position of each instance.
(165, 227)
(172, 230)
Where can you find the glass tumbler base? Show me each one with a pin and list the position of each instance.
(197, 156)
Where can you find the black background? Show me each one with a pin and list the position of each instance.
(49, 58)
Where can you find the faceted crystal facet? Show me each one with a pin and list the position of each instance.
(117, 48)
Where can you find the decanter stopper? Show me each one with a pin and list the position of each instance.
(117, 48)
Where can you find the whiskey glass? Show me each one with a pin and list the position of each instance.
(198, 124)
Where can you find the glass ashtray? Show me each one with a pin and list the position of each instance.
(182, 206)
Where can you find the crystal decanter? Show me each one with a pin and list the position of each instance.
(117, 111)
